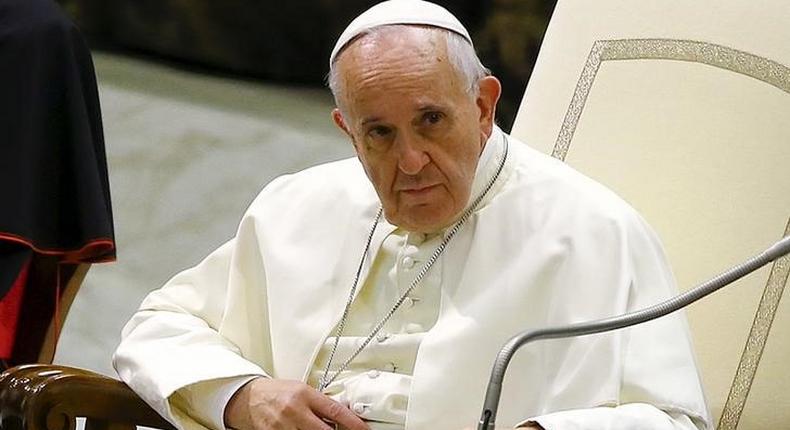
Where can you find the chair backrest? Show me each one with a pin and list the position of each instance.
(683, 108)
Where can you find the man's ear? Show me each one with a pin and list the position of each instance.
(340, 122)
(490, 89)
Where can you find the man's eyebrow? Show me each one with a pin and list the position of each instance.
(431, 107)
(370, 119)
(428, 107)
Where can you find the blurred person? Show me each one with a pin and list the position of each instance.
(55, 212)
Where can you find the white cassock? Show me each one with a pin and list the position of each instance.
(547, 246)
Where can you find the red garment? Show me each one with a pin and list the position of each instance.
(10, 307)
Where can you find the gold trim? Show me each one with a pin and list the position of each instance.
(760, 68)
(755, 343)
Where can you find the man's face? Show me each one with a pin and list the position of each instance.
(415, 127)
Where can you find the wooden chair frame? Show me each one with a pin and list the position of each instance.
(52, 397)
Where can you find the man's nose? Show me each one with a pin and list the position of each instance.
(411, 156)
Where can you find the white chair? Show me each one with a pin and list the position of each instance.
(683, 108)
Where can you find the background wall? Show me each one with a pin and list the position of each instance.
(291, 41)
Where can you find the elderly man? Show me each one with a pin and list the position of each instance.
(374, 292)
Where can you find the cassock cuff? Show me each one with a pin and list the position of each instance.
(205, 401)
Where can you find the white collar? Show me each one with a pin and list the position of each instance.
(487, 166)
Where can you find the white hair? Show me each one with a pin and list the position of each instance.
(459, 51)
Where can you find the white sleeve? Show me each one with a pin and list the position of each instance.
(193, 329)
(625, 417)
(206, 401)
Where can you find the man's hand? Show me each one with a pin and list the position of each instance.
(264, 404)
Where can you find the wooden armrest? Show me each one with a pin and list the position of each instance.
(50, 397)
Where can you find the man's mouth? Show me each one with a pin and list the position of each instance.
(418, 191)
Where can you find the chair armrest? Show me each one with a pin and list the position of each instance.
(50, 397)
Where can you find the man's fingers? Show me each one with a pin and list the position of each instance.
(327, 408)
(310, 421)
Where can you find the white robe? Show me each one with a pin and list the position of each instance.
(548, 246)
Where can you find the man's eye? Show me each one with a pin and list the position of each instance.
(379, 132)
(432, 118)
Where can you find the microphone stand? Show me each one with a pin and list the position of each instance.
(494, 390)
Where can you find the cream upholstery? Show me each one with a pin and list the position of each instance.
(683, 108)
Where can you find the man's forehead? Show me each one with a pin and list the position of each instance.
(395, 61)
(402, 98)
(393, 12)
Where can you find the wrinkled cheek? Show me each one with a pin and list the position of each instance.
(387, 197)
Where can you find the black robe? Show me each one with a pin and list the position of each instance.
(54, 191)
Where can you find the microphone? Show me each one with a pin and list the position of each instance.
(491, 403)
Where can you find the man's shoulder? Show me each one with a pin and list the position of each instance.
(553, 198)
(335, 172)
(324, 186)
(563, 193)
(558, 202)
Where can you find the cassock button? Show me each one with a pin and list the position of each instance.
(408, 303)
(359, 408)
(382, 337)
(408, 262)
(373, 373)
